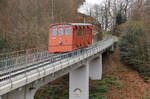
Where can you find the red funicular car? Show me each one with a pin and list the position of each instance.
(66, 37)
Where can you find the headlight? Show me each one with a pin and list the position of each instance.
(59, 42)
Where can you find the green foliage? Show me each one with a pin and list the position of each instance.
(134, 48)
(146, 96)
(119, 84)
(54, 92)
(120, 19)
(97, 96)
(61, 91)
(106, 32)
(98, 90)
(112, 80)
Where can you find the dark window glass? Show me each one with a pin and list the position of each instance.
(74, 31)
(54, 32)
(84, 30)
(67, 29)
(79, 32)
(88, 31)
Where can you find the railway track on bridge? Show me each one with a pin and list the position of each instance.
(49, 60)
(29, 68)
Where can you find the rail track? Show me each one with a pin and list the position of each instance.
(49, 60)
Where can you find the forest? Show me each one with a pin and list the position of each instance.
(24, 24)
(129, 20)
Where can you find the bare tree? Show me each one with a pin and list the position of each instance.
(27, 22)
(106, 12)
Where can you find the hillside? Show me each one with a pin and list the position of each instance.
(25, 24)
(132, 85)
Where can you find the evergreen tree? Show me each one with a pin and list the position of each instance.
(134, 48)
(120, 18)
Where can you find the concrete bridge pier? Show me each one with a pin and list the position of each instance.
(112, 48)
(79, 83)
(25, 92)
(79, 78)
(95, 68)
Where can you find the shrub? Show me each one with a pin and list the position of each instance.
(134, 48)
(121, 28)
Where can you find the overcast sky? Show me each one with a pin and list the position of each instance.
(93, 1)
(88, 4)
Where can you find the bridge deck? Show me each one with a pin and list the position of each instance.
(14, 77)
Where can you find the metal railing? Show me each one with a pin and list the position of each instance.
(43, 60)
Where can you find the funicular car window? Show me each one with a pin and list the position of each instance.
(67, 29)
(88, 30)
(54, 31)
(60, 30)
(74, 31)
(83, 30)
(80, 30)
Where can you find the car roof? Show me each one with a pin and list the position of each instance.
(74, 24)
(80, 24)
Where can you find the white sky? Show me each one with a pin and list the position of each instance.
(88, 4)
(93, 1)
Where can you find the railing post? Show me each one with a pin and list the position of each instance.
(10, 76)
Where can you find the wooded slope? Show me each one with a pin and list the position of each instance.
(24, 23)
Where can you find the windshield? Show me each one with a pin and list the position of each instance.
(60, 31)
(54, 31)
(67, 29)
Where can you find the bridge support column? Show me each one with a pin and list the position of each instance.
(79, 83)
(112, 48)
(26, 92)
(95, 68)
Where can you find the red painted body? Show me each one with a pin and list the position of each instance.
(66, 37)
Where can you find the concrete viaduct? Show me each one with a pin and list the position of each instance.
(22, 82)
